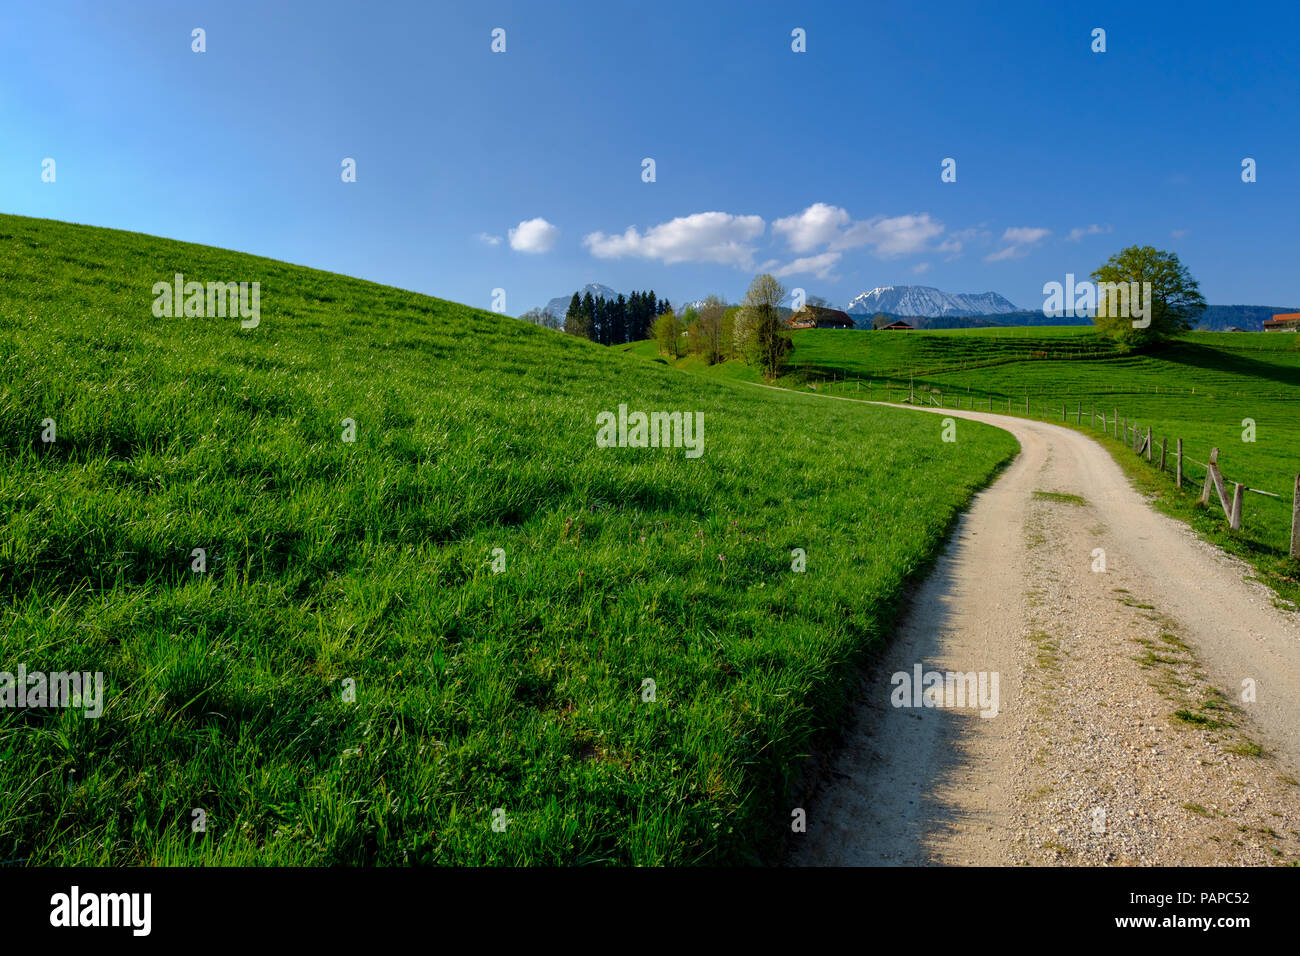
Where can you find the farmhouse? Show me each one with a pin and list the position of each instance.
(898, 326)
(1286, 322)
(816, 317)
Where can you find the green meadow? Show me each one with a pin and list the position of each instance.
(1205, 388)
(466, 636)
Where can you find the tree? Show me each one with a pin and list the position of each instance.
(573, 315)
(600, 318)
(758, 326)
(1175, 297)
(730, 345)
(709, 329)
(668, 333)
(618, 310)
(691, 323)
(588, 316)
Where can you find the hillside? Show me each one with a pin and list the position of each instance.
(1202, 388)
(339, 677)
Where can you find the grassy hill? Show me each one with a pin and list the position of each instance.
(334, 567)
(1200, 388)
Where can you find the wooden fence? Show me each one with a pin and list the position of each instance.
(1132, 435)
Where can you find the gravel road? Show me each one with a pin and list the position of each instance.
(1124, 732)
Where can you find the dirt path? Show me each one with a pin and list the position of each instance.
(1121, 733)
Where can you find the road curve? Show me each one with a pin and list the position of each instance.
(1110, 744)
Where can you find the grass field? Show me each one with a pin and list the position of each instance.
(330, 562)
(1201, 388)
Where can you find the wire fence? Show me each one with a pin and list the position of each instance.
(1119, 427)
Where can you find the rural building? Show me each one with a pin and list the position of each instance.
(1286, 322)
(816, 317)
(898, 326)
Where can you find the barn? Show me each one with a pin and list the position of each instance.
(1286, 322)
(817, 317)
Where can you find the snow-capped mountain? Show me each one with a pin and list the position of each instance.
(560, 304)
(927, 301)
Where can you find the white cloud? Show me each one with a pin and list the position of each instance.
(830, 227)
(490, 240)
(817, 225)
(1025, 235)
(533, 236)
(891, 236)
(1021, 239)
(819, 266)
(716, 237)
(921, 267)
(1093, 230)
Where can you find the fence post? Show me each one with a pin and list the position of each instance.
(1295, 520)
(1179, 463)
(1115, 420)
(1078, 413)
(1062, 413)
(1148, 443)
(1026, 404)
(1234, 520)
(1093, 421)
(1164, 448)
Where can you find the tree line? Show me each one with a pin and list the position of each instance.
(753, 331)
(614, 321)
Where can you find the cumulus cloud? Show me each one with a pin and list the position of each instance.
(1021, 239)
(831, 226)
(892, 236)
(818, 225)
(819, 266)
(823, 225)
(533, 236)
(1079, 232)
(716, 237)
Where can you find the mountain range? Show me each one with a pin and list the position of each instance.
(928, 307)
(924, 300)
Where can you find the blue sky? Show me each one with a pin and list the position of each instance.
(823, 166)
